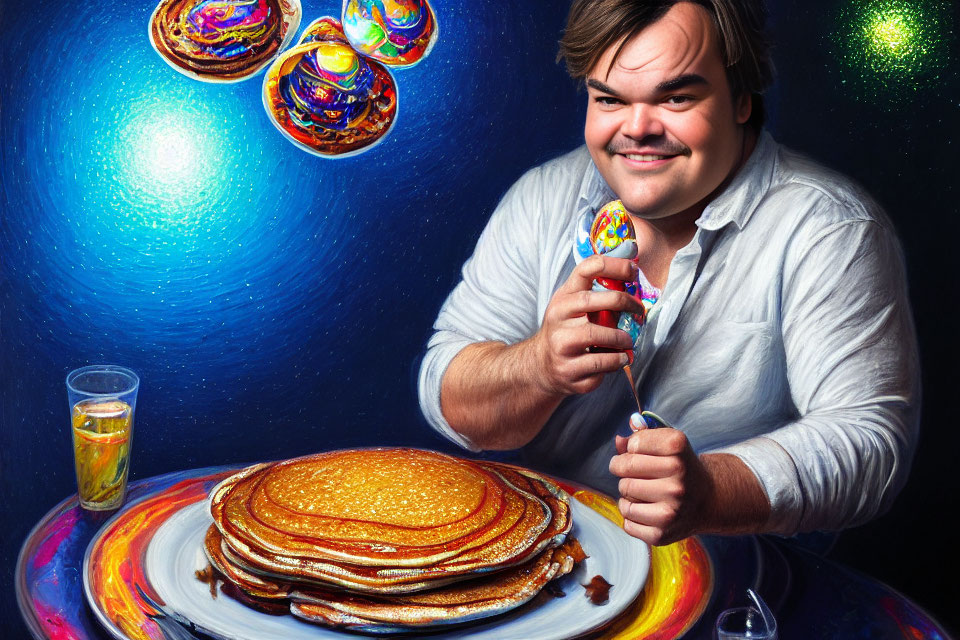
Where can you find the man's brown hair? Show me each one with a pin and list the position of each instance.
(593, 26)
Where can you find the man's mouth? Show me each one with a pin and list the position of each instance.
(645, 157)
(647, 154)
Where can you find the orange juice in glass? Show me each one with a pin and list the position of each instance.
(102, 402)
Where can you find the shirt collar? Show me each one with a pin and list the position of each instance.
(738, 201)
(594, 190)
(735, 204)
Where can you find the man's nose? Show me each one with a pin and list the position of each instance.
(642, 120)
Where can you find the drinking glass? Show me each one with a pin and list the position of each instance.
(102, 401)
(754, 622)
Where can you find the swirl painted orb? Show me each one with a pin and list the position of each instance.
(612, 232)
(324, 30)
(326, 98)
(222, 40)
(398, 33)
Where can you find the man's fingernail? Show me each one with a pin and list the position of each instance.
(624, 360)
(636, 422)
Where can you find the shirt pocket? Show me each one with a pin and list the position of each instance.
(721, 381)
(736, 356)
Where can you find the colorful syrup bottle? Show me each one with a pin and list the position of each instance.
(610, 232)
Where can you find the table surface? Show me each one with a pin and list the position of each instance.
(812, 597)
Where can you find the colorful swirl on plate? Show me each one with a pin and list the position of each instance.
(115, 564)
(678, 586)
(398, 33)
(222, 40)
(326, 98)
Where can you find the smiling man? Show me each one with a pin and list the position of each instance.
(780, 348)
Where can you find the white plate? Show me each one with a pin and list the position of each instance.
(176, 551)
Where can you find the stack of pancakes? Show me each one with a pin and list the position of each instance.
(389, 539)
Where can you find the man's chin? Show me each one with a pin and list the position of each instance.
(647, 209)
(646, 198)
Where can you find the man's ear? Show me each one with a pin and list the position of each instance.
(743, 107)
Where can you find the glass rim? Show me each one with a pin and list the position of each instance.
(103, 368)
(766, 631)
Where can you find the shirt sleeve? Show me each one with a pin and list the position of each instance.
(496, 298)
(853, 370)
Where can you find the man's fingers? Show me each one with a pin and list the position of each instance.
(621, 443)
(585, 372)
(599, 267)
(573, 342)
(652, 514)
(580, 303)
(653, 536)
(658, 442)
(643, 466)
(670, 489)
(589, 365)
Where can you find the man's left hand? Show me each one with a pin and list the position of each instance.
(665, 489)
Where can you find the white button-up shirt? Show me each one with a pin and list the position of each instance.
(782, 336)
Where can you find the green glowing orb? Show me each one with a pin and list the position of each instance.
(891, 47)
(891, 34)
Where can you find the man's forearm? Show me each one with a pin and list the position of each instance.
(493, 395)
(738, 503)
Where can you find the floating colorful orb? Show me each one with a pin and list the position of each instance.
(222, 40)
(323, 30)
(326, 98)
(398, 33)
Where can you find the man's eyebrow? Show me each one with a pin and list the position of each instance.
(681, 82)
(599, 86)
(674, 84)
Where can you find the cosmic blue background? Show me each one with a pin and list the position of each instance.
(276, 304)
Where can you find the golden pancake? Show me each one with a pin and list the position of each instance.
(556, 499)
(389, 539)
(245, 531)
(480, 597)
(251, 583)
(243, 499)
(350, 577)
(531, 533)
(401, 546)
(390, 497)
(329, 617)
(253, 509)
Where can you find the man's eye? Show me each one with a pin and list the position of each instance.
(607, 100)
(679, 99)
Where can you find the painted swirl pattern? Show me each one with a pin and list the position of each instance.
(678, 587)
(396, 32)
(222, 40)
(326, 98)
(610, 232)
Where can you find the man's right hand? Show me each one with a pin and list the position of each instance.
(500, 396)
(561, 345)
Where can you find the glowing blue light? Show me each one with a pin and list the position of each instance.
(170, 157)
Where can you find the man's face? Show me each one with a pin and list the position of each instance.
(662, 127)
